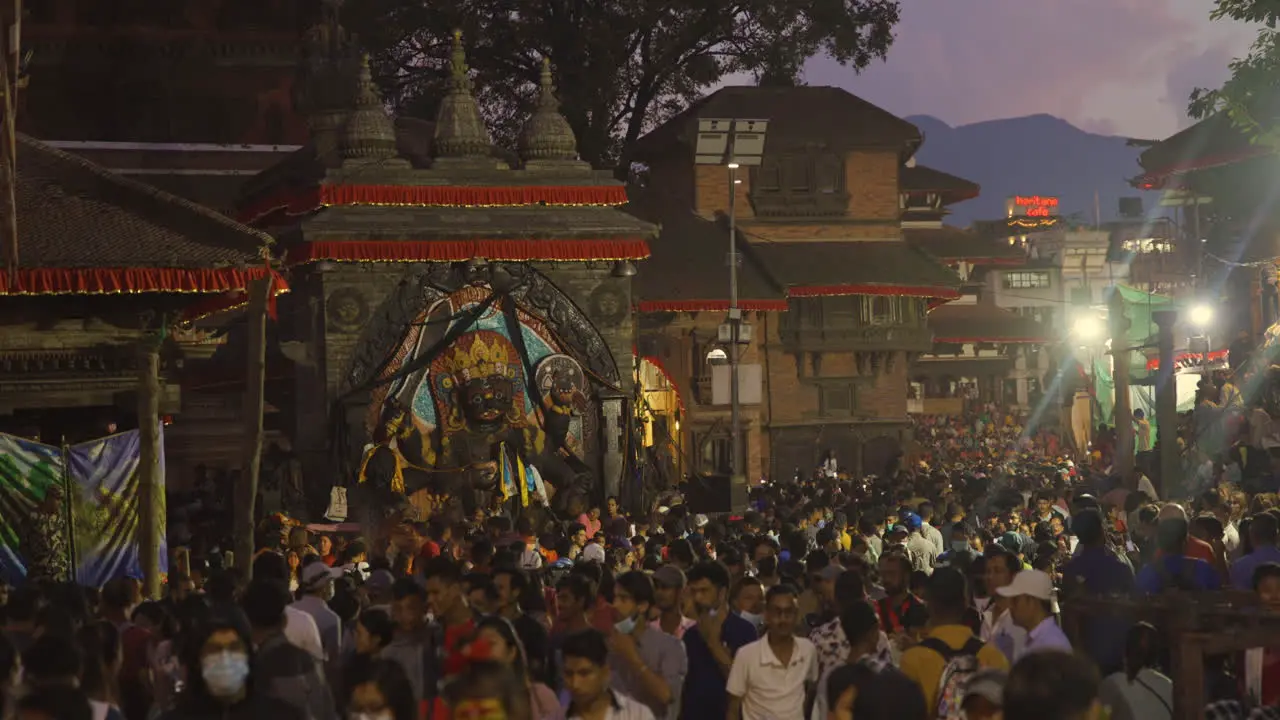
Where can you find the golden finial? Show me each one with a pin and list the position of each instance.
(458, 60)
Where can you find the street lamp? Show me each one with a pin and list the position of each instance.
(733, 143)
(1200, 316)
(1088, 330)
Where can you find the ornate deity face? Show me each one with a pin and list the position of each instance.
(487, 400)
(562, 390)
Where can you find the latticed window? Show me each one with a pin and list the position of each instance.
(1027, 280)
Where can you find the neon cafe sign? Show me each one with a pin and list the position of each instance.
(1036, 205)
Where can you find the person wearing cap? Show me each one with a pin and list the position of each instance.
(315, 589)
(924, 554)
(1030, 598)
(668, 584)
(984, 695)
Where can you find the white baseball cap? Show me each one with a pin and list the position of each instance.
(1035, 583)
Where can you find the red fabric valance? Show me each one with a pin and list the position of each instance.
(647, 306)
(902, 290)
(119, 281)
(460, 250)
(300, 202)
(234, 300)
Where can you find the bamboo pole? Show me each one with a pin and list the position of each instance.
(1123, 410)
(246, 491)
(10, 37)
(150, 497)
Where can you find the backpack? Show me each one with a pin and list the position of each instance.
(960, 665)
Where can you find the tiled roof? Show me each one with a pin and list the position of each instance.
(688, 267)
(74, 214)
(887, 264)
(951, 244)
(920, 178)
(952, 323)
(798, 116)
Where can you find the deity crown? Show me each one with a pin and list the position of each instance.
(481, 359)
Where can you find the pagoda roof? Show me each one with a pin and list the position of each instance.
(688, 270)
(1213, 142)
(411, 210)
(798, 117)
(83, 229)
(856, 267)
(983, 323)
(923, 179)
(952, 244)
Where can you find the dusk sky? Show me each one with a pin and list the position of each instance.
(1120, 67)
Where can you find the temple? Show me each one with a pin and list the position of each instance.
(460, 321)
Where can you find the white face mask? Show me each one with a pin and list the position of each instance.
(754, 618)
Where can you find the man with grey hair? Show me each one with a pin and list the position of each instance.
(1173, 566)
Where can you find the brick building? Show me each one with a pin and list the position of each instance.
(980, 350)
(837, 297)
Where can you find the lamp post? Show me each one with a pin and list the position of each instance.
(732, 143)
(1087, 330)
(1200, 317)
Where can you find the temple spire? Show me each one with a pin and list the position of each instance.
(370, 135)
(547, 135)
(460, 129)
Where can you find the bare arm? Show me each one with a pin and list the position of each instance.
(735, 708)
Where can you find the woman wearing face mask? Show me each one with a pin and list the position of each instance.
(381, 691)
(502, 645)
(218, 685)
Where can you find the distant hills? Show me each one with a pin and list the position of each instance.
(1033, 155)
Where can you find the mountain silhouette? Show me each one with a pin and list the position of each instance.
(1033, 155)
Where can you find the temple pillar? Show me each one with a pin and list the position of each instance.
(613, 462)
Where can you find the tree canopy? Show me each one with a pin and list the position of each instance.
(1249, 96)
(620, 67)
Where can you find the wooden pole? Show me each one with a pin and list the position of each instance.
(150, 497)
(10, 36)
(246, 491)
(1120, 356)
(1167, 408)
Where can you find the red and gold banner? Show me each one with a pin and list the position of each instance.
(901, 290)
(305, 201)
(461, 250)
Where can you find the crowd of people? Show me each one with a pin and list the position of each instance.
(934, 590)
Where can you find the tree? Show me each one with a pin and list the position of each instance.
(1249, 96)
(619, 67)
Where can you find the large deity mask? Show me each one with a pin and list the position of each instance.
(479, 382)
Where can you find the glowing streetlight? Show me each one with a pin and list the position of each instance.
(1200, 316)
(1087, 328)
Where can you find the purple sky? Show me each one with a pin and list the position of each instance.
(1120, 67)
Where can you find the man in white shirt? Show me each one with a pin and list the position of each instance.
(300, 628)
(770, 676)
(1031, 606)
